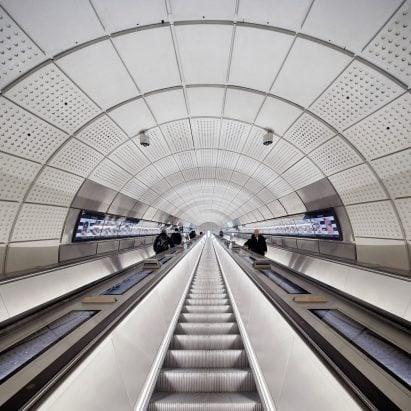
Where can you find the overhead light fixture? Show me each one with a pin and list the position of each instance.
(268, 138)
(144, 139)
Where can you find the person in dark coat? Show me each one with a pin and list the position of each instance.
(176, 237)
(192, 234)
(162, 242)
(257, 243)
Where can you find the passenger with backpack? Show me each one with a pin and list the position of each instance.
(176, 238)
(162, 242)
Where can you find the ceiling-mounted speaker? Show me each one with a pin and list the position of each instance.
(268, 138)
(144, 139)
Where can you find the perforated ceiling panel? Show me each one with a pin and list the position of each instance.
(18, 53)
(374, 220)
(16, 175)
(404, 210)
(26, 135)
(134, 188)
(130, 157)
(283, 156)
(358, 185)
(390, 49)
(54, 187)
(279, 187)
(178, 135)
(103, 135)
(8, 212)
(39, 222)
(335, 155)
(51, 95)
(233, 135)
(302, 174)
(358, 91)
(77, 158)
(384, 132)
(307, 133)
(110, 175)
(158, 147)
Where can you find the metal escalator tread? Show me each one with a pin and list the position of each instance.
(206, 367)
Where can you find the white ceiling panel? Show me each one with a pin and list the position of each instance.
(242, 105)
(264, 174)
(266, 196)
(206, 132)
(97, 65)
(395, 36)
(233, 135)
(358, 185)
(203, 9)
(178, 135)
(287, 14)
(150, 175)
(266, 213)
(307, 133)
(168, 106)
(205, 101)
(363, 219)
(357, 92)
(349, 24)
(155, 48)
(130, 158)
(207, 173)
(253, 186)
(239, 178)
(56, 25)
(18, 53)
(186, 159)
(26, 135)
(334, 156)
(191, 174)
(110, 175)
(133, 117)
(223, 174)
(384, 132)
(123, 14)
(8, 212)
(292, 203)
(16, 175)
(277, 209)
(103, 135)
(254, 146)
(282, 156)
(134, 188)
(167, 165)
(247, 165)
(257, 57)
(175, 179)
(279, 187)
(309, 69)
(76, 158)
(204, 51)
(161, 187)
(158, 147)
(227, 159)
(149, 196)
(302, 174)
(277, 115)
(54, 187)
(404, 210)
(39, 222)
(395, 172)
(49, 87)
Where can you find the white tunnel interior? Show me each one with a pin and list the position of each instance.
(205, 79)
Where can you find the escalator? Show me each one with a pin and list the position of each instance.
(206, 367)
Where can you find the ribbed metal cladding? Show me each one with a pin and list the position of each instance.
(206, 367)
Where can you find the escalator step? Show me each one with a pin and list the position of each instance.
(206, 342)
(206, 328)
(207, 318)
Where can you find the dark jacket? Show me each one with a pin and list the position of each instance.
(162, 243)
(192, 234)
(176, 238)
(258, 245)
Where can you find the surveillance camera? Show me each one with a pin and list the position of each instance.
(144, 140)
(268, 138)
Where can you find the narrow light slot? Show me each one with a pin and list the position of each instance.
(18, 356)
(123, 286)
(388, 356)
(287, 285)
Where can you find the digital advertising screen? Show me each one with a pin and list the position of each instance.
(320, 224)
(89, 226)
(129, 227)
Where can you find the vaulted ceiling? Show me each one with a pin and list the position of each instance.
(81, 79)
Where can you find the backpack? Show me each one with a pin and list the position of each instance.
(161, 244)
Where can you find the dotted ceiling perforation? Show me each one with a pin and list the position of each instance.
(404, 210)
(110, 175)
(233, 135)
(302, 174)
(103, 135)
(358, 91)
(384, 132)
(129, 157)
(18, 53)
(51, 95)
(178, 135)
(8, 212)
(26, 135)
(54, 187)
(16, 175)
(307, 133)
(39, 222)
(391, 49)
(205, 132)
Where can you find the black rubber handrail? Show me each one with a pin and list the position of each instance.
(366, 392)
(48, 378)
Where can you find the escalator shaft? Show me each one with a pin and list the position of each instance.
(206, 367)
